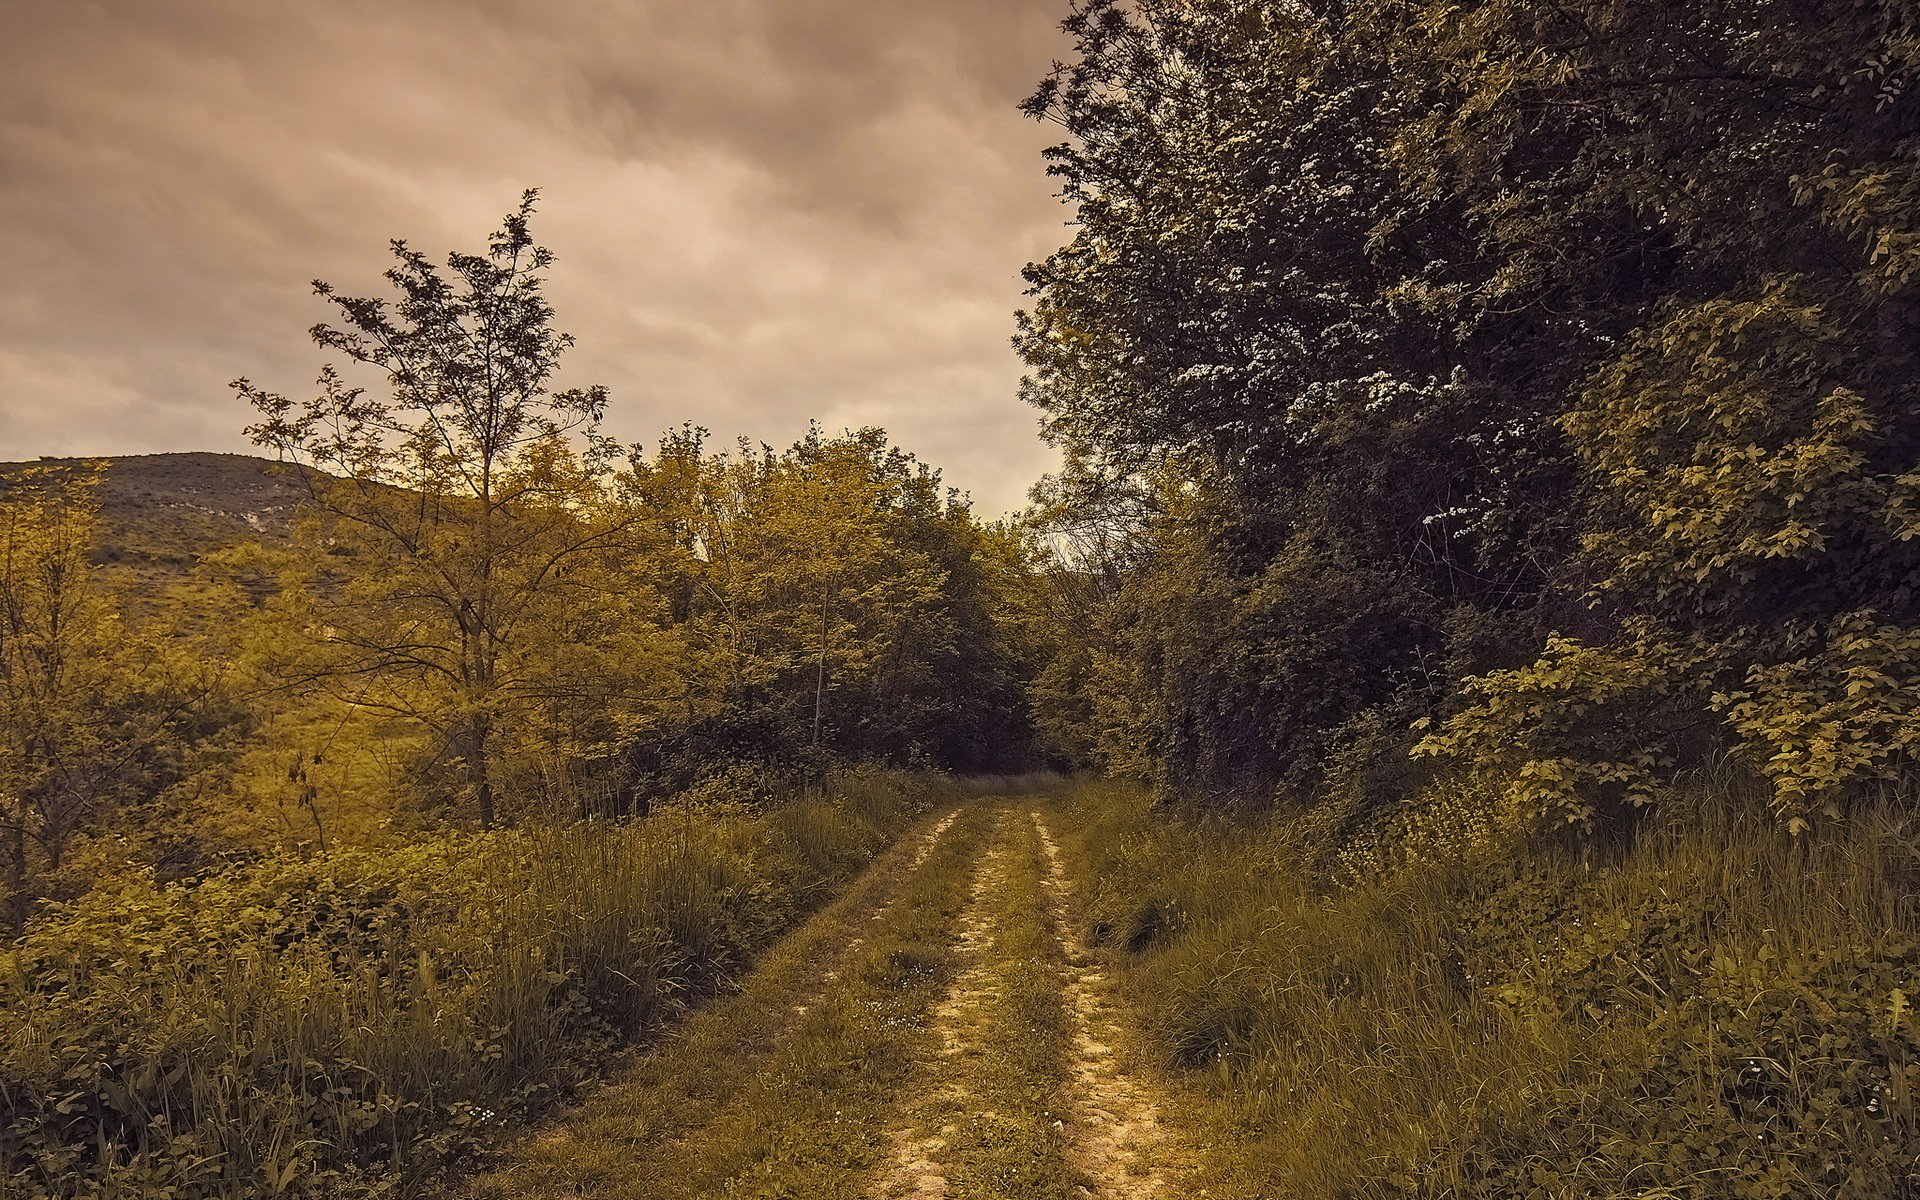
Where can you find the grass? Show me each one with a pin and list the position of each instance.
(350, 1023)
(996, 1105)
(918, 1020)
(1706, 1008)
(1710, 1009)
(784, 1089)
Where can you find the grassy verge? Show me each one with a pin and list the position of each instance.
(1714, 1009)
(785, 1088)
(350, 1023)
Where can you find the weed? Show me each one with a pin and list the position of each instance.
(355, 1021)
(1713, 1009)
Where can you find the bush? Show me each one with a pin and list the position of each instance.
(351, 1022)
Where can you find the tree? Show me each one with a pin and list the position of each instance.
(457, 505)
(1256, 302)
(1574, 334)
(1727, 191)
(833, 600)
(92, 716)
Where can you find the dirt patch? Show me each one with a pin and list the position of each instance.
(932, 839)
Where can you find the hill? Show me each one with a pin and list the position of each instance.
(162, 512)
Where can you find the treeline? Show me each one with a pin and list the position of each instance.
(505, 613)
(510, 578)
(1528, 385)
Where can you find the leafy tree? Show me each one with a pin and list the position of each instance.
(831, 599)
(1740, 172)
(456, 508)
(1575, 333)
(1258, 296)
(92, 716)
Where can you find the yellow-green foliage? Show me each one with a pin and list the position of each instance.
(1717, 1010)
(93, 716)
(1738, 444)
(1842, 713)
(317, 772)
(1575, 728)
(352, 1021)
(835, 596)
(1753, 520)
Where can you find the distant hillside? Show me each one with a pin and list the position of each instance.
(162, 512)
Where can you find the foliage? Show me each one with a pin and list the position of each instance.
(570, 634)
(1717, 1009)
(1572, 334)
(459, 504)
(1751, 513)
(1224, 681)
(831, 599)
(350, 1022)
(1820, 725)
(93, 717)
(161, 513)
(1579, 727)
(1239, 302)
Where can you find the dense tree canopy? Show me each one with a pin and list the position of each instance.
(1486, 334)
(833, 598)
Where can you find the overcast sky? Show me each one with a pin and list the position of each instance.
(763, 210)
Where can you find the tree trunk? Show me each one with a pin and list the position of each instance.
(820, 671)
(16, 880)
(477, 746)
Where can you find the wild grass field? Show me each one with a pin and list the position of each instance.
(1706, 1007)
(349, 1024)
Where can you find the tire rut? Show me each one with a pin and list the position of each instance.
(1107, 1134)
(1115, 1137)
(878, 911)
(916, 1171)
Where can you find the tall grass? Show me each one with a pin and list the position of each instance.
(1711, 1009)
(349, 1023)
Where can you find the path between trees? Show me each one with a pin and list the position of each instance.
(940, 1031)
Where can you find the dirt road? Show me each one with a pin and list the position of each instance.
(939, 1031)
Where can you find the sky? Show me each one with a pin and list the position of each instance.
(763, 211)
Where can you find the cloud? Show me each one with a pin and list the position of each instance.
(764, 211)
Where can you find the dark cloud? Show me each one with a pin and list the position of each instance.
(764, 210)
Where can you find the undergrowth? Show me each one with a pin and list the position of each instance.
(786, 1087)
(1711, 1009)
(351, 1023)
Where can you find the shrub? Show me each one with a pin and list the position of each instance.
(351, 1022)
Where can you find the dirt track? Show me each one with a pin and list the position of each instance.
(941, 1031)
